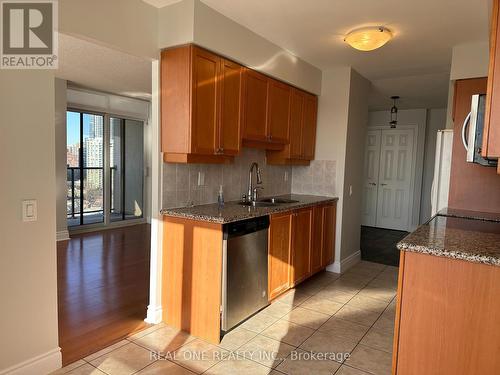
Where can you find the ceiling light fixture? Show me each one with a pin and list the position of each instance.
(368, 38)
(394, 112)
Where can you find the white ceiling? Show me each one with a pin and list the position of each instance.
(424, 33)
(90, 65)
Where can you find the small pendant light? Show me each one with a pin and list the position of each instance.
(394, 112)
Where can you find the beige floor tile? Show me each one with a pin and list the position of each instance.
(163, 340)
(306, 318)
(344, 328)
(346, 286)
(325, 342)
(278, 309)
(69, 367)
(199, 356)
(300, 362)
(368, 303)
(125, 360)
(294, 297)
(356, 315)
(288, 332)
(377, 339)
(310, 287)
(346, 370)
(259, 322)
(78, 368)
(236, 338)
(336, 295)
(163, 367)
(146, 331)
(385, 325)
(238, 366)
(265, 351)
(382, 293)
(106, 350)
(321, 305)
(374, 361)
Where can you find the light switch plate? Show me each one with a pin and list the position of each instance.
(201, 178)
(29, 207)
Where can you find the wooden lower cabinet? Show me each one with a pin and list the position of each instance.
(447, 317)
(280, 236)
(301, 245)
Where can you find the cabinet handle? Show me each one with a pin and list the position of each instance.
(383, 184)
(372, 183)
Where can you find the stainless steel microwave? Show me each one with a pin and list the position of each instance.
(472, 132)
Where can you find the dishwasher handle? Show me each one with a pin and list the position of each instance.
(243, 227)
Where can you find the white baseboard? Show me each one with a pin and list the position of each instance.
(62, 235)
(345, 264)
(42, 364)
(154, 314)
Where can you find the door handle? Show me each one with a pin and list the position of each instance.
(464, 126)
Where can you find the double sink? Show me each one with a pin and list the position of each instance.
(268, 202)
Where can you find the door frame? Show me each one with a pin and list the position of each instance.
(416, 171)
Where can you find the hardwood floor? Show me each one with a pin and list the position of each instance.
(103, 288)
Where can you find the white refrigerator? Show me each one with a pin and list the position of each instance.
(442, 168)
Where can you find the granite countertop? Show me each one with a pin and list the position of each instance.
(456, 234)
(232, 211)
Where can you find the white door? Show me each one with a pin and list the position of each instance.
(370, 177)
(394, 182)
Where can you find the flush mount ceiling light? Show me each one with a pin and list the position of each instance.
(368, 38)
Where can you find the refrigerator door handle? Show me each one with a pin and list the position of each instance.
(464, 127)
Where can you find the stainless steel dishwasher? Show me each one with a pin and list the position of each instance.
(244, 265)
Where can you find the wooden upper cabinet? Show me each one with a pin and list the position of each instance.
(200, 106)
(230, 82)
(280, 231)
(301, 245)
(278, 111)
(296, 114)
(491, 135)
(317, 239)
(205, 102)
(303, 118)
(309, 120)
(329, 222)
(255, 106)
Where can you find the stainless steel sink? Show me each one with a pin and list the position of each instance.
(257, 204)
(278, 200)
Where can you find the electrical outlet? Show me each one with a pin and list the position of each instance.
(350, 190)
(29, 210)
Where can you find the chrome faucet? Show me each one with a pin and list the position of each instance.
(252, 194)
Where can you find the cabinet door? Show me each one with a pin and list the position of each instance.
(301, 245)
(317, 239)
(278, 112)
(255, 106)
(309, 126)
(204, 101)
(296, 115)
(279, 254)
(230, 103)
(491, 134)
(329, 218)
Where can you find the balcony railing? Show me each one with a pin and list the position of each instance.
(87, 198)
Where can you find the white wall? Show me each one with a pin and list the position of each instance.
(409, 117)
(60, 147)
(436, 120)
(354, 163)
(176, 24)
(127, 25)
(470, 60)
(28, 286)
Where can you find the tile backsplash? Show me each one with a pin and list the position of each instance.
(181, 186)
(319, 178)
